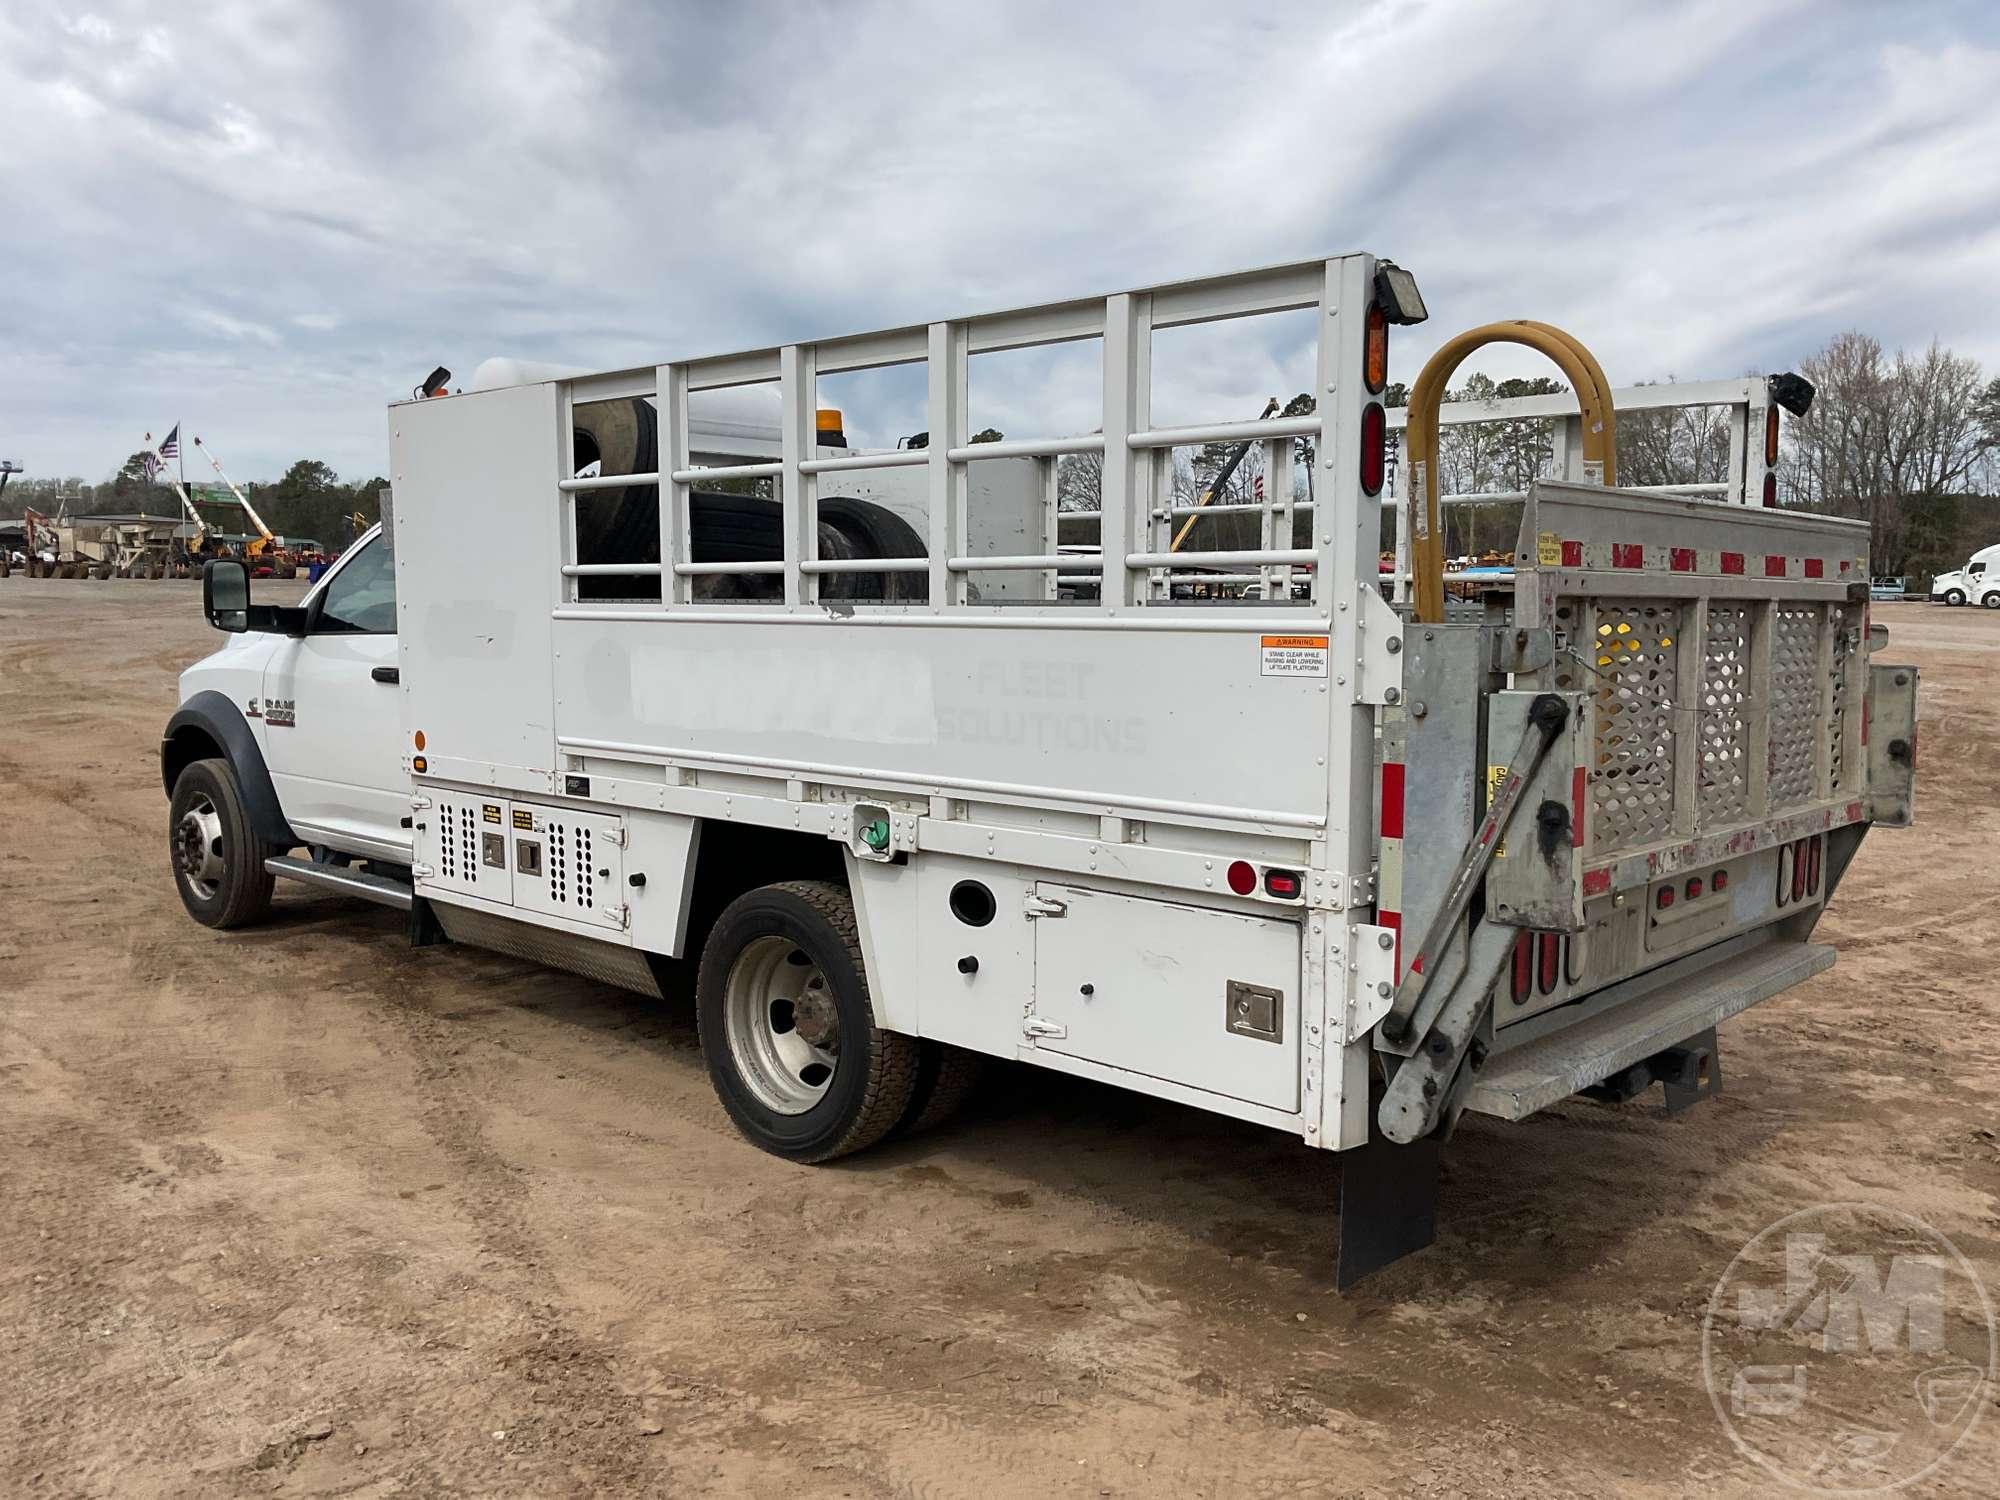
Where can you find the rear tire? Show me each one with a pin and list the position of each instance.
(946, 1076)
(788, 1030)
(218, 861)
(1991, 601)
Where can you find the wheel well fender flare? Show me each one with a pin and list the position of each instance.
(209, 724)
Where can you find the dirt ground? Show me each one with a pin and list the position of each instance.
(303, 1211)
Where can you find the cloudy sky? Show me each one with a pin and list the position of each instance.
(271, 219)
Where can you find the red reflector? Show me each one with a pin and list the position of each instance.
(1627, 555)
(1774, 565)
(1548, 961)
(1732, 562)
(1242, 878)
(1665, 898)
(1800, 858)
(1374, 426)
(1694, 888)
(1392, 799)
(1284, 884)
(1523, 968)
(1572, 554)
(1682, 559)
(1815, 567)
(1770, 491)
(1719, 881)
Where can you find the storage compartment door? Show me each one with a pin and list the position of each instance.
(461, 844)
(1206, 999)
(569, 864)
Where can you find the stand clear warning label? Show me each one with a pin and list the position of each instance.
(1292, 656)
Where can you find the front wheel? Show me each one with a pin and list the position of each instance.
(1954, 597)
(788, 1030)
(218, 860)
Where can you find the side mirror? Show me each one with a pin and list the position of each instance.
(225, 594)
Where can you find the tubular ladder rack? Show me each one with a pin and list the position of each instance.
(1137, 517)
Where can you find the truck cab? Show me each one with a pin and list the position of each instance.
(312, 687)
(1976, 581)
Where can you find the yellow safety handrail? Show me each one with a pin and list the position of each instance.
(1600, 449)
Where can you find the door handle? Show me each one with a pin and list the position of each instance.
(386, 674)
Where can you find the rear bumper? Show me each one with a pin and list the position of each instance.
(1638, 1018)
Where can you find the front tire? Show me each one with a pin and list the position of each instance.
(788, 1030)
(218, 860)
(1954, 597)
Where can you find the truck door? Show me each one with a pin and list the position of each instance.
(333, 713)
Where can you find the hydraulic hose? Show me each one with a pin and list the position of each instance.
(1593, 392)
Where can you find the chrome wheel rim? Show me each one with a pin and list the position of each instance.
(198, 848)
(782, 1026)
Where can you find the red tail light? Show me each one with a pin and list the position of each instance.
(1665, 898)
(1812, 867)
(1694, 888)
(1770, 491)
(1800, 857)
(1548, 964)
(1719, 881)
(1523, 967)
(1374, 431)
(1284, 884)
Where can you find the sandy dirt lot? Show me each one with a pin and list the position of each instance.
(303, 1211)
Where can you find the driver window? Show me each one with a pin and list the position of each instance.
(361, 598)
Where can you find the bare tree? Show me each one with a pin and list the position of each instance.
(1888, 440)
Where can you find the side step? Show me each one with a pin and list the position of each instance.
(1514, 1084)
(376, 888)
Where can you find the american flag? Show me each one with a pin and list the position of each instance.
(170, 445)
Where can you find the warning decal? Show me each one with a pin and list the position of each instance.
(1549, 550)
(1496, 777)
(490, 811)
(1292, 656)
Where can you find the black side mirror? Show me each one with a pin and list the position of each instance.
(225, 594)
(225, 599)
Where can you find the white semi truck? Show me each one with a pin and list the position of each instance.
(838, 731)
(1975, 581)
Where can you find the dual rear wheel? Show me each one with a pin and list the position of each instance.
(789, 1034)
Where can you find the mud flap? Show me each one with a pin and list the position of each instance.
(1388, 1204)
(424, 927)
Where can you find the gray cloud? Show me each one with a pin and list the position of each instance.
(270, 220)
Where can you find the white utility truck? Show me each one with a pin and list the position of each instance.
(842, 732)
(1975, 581)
